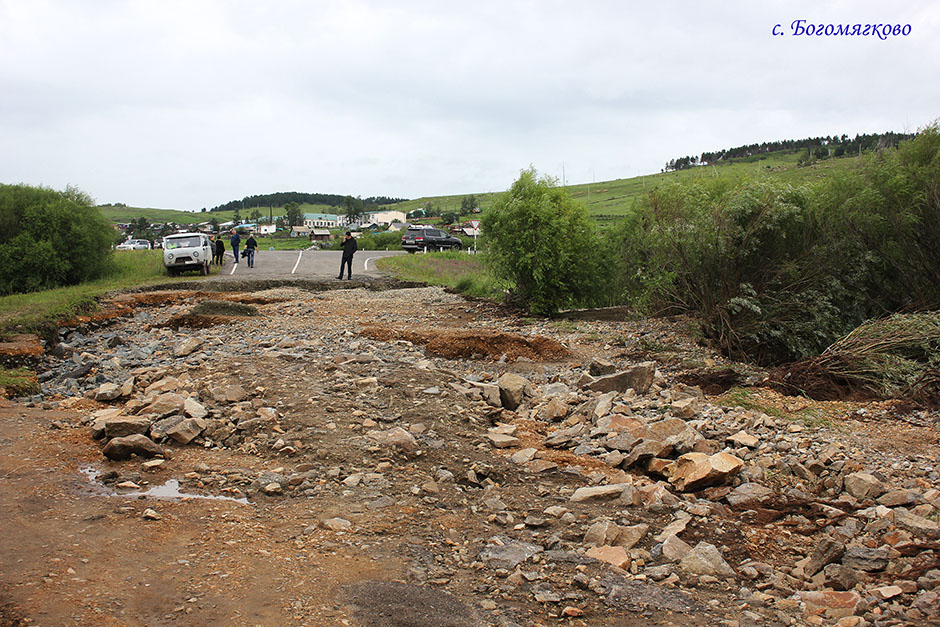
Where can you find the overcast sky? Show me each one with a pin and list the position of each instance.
(190, 104)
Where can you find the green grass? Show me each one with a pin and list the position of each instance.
(456, 270)
(810, 415)
(18, 382)
(280, 243)
(133, 268)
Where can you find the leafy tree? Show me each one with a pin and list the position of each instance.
(50, 238)
(468, 204)
(214, 223)
(295, 216)
(354, 209)
(255, 216)
(542, 242)
(430, 210)
(449, 217)
(237, 217)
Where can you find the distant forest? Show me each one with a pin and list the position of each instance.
(816, 148)
(279, 199)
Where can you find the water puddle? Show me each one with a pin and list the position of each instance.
(169, 490)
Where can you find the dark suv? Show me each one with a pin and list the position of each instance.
(426, 238)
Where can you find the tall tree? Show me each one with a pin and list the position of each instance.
(468, 204)
(354, 210)
(295, 216)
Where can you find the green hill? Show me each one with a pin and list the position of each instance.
(604, 199)
(608, 199)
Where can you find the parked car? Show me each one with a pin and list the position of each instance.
(134, 244)
(187, 251)
(426, 238)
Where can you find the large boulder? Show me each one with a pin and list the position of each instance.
(187, 347)
(120, 449)
(395, 438)
(107, 392)
(638, 377)
(705, 559)
(195, 409)
(694, 471)
(228, 393)
(511, 390)
(119, 426)
(186, 430)
(165, 404)
(863, 485)
(599, 493)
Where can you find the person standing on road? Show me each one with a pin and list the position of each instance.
(235, 241)
(250, 247)
(349, 249)
(219, 249)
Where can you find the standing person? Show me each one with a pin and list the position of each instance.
(250, 247)
(219, 249)
(235, 241)
(349, 249)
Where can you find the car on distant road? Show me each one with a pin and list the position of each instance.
(187, 251)
(426, 238)
(134, 244)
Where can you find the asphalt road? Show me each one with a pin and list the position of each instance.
(320, 264)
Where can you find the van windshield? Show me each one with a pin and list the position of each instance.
(182, 242)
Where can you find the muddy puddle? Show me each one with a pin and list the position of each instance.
(168, 491)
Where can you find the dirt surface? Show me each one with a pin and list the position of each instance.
(359, 532)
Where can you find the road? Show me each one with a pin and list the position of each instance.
(320, 264)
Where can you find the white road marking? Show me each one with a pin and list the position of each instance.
(301, 254)
(234, 267)
(365, 266)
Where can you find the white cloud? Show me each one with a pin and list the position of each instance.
(190, 104)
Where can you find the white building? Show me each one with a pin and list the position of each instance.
(376, 217)
(321, 220)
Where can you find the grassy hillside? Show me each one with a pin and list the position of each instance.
(604, 199)
(613, 198)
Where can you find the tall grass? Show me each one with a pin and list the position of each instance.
(133, 268)
(459, 271)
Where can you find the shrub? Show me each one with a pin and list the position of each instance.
(543, 243)
(777, 273)
(50, 238)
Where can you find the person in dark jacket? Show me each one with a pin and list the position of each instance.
(219, 249)
(235, 241)
(250, 247)
(349, 249)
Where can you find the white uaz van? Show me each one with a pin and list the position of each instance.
(187, 251)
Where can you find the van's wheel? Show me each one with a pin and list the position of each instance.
(172, 271)
(204, 269)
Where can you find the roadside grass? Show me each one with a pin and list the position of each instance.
(18, 382)
(810, 413)
(133, 268)
(279, 243)
(459, 271)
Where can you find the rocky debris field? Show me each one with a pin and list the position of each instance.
(408, 457)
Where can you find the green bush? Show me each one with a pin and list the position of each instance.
(50, 238)
(543, 243)
(777, 273)
(390, 240)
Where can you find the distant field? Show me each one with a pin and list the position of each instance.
(613, 198)
(604, 199)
